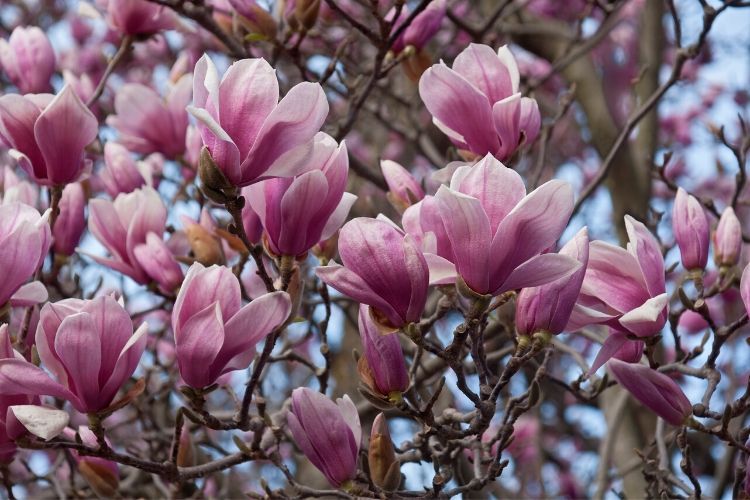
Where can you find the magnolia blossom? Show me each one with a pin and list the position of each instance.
(497, 232)
(214, 334)
(250, 134)
(548, 307)
(149, 124)
(71, 222)
(298, 212)
(477, 103)
(27, 59)
(25, 239)
(403, 188)
(120, 173)
(728, 239)
(382, 366)
(125, 225)
(137, 17)
(382, 268)
(421, 29)
(48, 134)
(90, 348)
(691, 230)
(328, 433)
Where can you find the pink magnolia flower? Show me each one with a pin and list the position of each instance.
(159, 263)
(477, 103)
(48, 134)
(250, 134)
(498, 232)
(123, 225)
(383, 355)
(422, 221)
(120, 173)
(727, 239)
(137, 17)
(548, 307)
(298, 212)
(24, 241)
(149, 124)
(16, 189)
(28, 60)
(71, 222)
(213, 332)
(328, 433)
(654, 390)
(691, 230)
(422, 28)
(90, 348)
(382, 268)
(403, 188)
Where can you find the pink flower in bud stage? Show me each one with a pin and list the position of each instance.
(214, 334)
(48, 134)
(137, 17)
(384, 356)
(328, 433)
(477, 103)
(90, 348)
(382, 268)
(149, 124)
(120, 173)
(691, 230)
(654, 390)
(298, 212)
(71, 222)
(728, 239)
(250, 134)
(498, 232)
(421, 29)
(548, 307)
(403, 188)
(25, 239)
(28, 60)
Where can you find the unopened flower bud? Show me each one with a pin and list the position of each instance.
(691, 230)
(304, 16)
(215, 184)
(385, 469)
(205, 246)
(728, 239)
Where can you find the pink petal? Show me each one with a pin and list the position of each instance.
(495, 77)
(78, 344)
(647, 251)
(200, 341)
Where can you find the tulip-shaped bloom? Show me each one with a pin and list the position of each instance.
(421, 29)
(120, 173)
(403, 188)
(123, 225)
(213, 332)
(298, 212)
(90, 348)
(497, 231)
(328, 433)
(547, 308)
(728, 239)
(691, 230)
(149, 124)
(28, 60)
(137, 17)
(477, 103)
(24, 241)
(654, 390)
(48, 135)
(382, 268)
(71, 222)
(250, 134)
(383, 367)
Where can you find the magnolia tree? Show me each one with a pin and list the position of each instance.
(373, 248)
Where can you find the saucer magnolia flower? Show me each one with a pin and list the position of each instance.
(149, 124)
(250, 134)
(654, 390)
(120, 173)
(421, 29)
(298, 212)
(498, 232)
(548, 307)
(382, 367)
(24, 241)
(27, 59)
(123, 225)
(403, 188)
(48, 134)
(328, 433)
(90, 348)
(382, 268)
(137, 17)
(422, 221)
(691, 230)
(477, 103)
(214, 334)
(71, 222)
(728, 239)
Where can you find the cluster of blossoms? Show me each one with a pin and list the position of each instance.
(473, 237)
